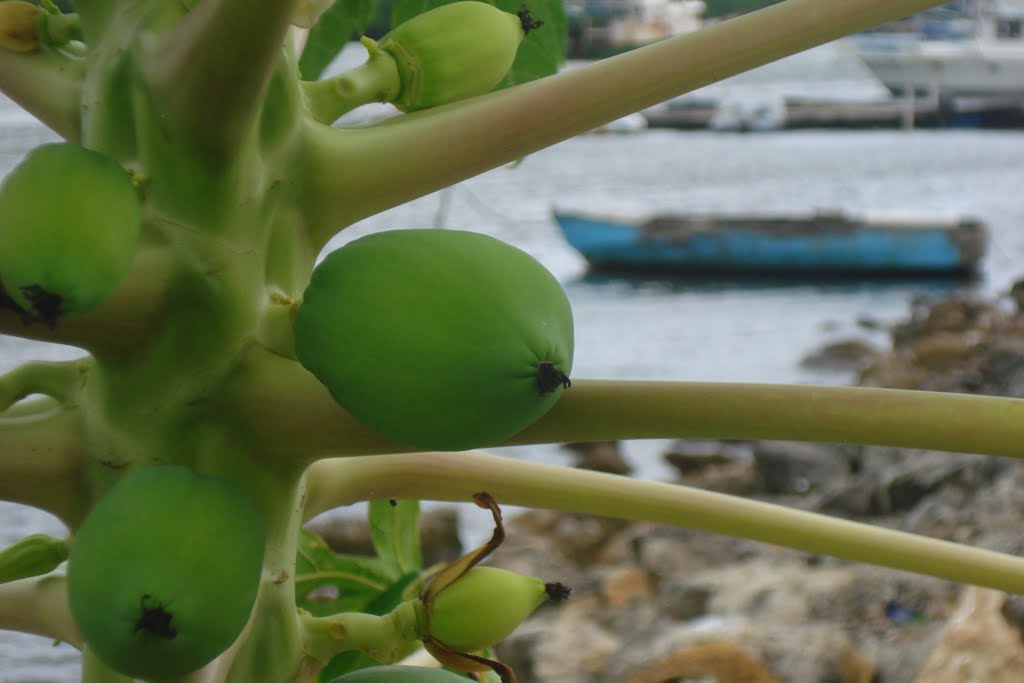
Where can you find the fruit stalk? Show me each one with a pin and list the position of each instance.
(376, 80)
(58, 379)
(288, 409)
(38, 606)
(42, 457)
(455, 476)
(385, 638)
(126, 322)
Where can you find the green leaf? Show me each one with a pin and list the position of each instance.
(336, 27)
(394, 529)
(327, 582)
(541, 53)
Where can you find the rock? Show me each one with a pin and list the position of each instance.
(719, 661)
(565, 538)
(575, 648)
(794, 467)
(621, 586)
(856, 668)
(600, 456)
(1013, 612)
(942, 351)
(951, 314)
(1003, 366)
(847, 355)
(684, 602)
(1016, 295)
(715, 465)
(892, 371)
(690, 456)
(977, 645)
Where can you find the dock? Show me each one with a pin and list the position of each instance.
(792, 113)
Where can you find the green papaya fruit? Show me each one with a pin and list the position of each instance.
(398, 673)
(437, 339)
(164, 571)
(454, 51)
(484, 606)
(69, 222)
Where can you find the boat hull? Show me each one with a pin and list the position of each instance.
(950, 69)
(798, 246)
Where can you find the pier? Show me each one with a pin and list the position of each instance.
(987, 112)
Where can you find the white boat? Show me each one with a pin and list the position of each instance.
(976, 53)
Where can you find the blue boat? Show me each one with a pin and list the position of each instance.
(820, 243)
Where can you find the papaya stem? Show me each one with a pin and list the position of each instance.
(454, 476)
(46, 84)
(38, 606)
(210, 82)
(420, 153)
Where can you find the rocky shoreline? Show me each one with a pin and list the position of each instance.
(655, 604)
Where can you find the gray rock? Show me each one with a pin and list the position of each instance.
(788, 467)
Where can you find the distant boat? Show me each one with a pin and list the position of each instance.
(819, 243)
(599, 28)
(975, 50)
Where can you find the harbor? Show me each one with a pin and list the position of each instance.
(959, 65)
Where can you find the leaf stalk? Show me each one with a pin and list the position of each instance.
(455, 476)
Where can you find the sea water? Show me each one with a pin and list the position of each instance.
(660, 328)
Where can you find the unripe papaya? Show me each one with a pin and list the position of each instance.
(484, 606)
(164, 571)
(398, 673)
(454, 51)
(19, 25)
(69, 222)
(437, 339)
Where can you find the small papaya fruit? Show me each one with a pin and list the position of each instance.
(437, 339)
(164, 571)
(32, 556)
(484, 606)
(69, 221)
(398, 673)
(19, 25)
(454, 51)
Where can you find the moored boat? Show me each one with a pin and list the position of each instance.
(816, 243)
(979, 54)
